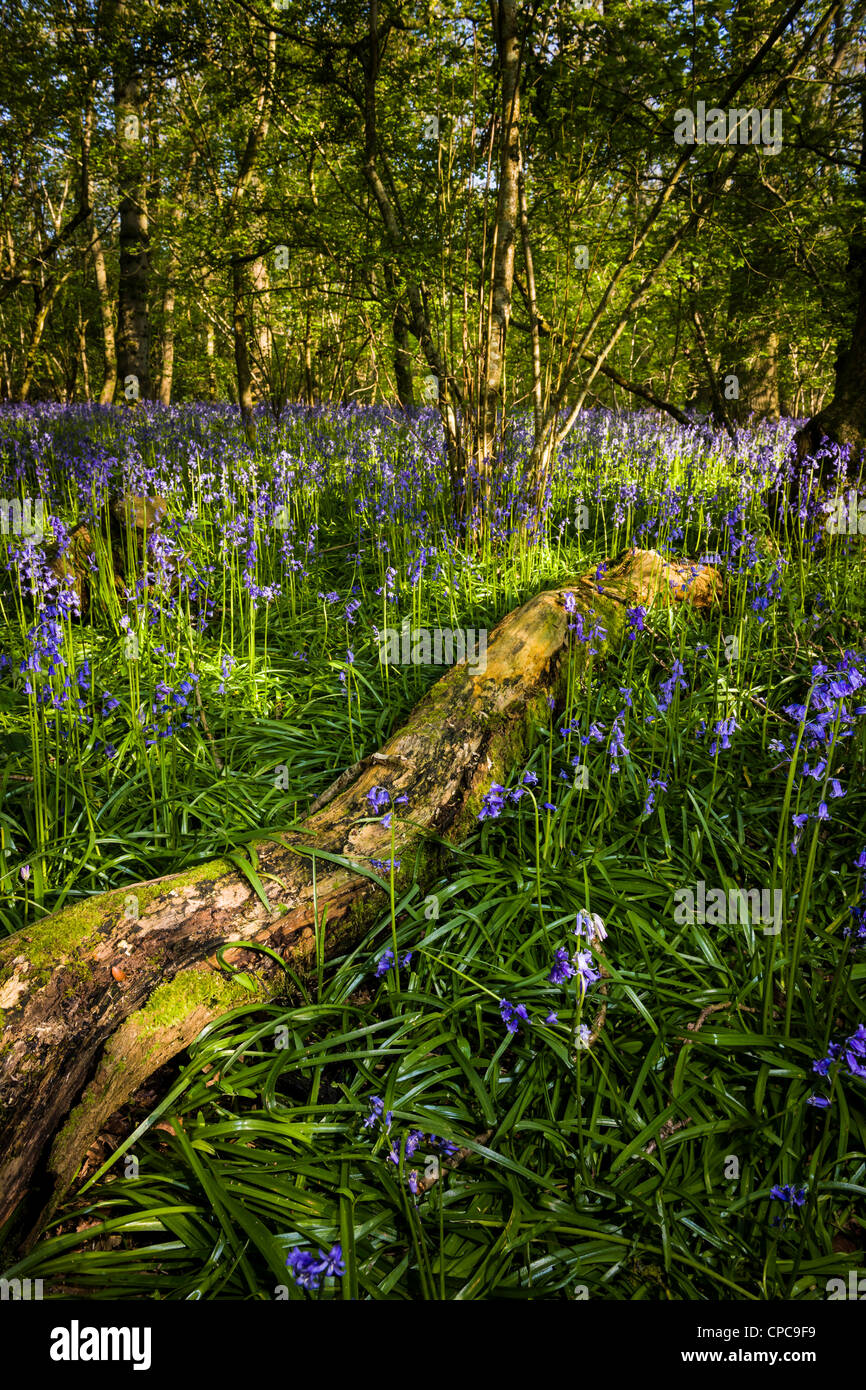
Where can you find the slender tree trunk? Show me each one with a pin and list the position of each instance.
(133, 307)
(168, 304)
(106, 304)
(843, 420)
(41, 307)
(169, 295)
(403, 359)
(750, 347)
(43, 298)
(449, 393)
(402, 348)
(240, 264)
(309, 378)
(210, 354)
(82, 353)
(504, 14)
(242, 353)
(261, 309)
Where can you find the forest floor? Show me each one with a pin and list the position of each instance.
(437, 1100)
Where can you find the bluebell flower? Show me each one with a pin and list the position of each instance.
(308, 1270)
(413, 1139)
(512, 1015)
(492, 803)
(378, 798)
(790, 1195)
(562, 967)
(377, 1106)
(590, 925)
(586, 973)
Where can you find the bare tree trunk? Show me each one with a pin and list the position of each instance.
(166, 376)
(750, 346)
(261, 310)
(242, 352)
(43, 298)
(402, 348)
(504, 15)
(82, 353)
(711, 368)
(169, 295)
(99, 995)
(133, 307)
(309, 378)
(843, 421)
(240, 264)
(106, 305)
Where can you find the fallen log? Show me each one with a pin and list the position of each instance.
(97, 996)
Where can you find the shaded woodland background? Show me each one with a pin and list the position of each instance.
(480, 204)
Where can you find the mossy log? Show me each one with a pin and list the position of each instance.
(97, 996)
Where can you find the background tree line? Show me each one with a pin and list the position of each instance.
(478, 203)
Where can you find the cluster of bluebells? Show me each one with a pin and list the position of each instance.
(617, 746)
(514, 1014)
(577, 964)
(635, 618)
(170, 701)
(308, 1270)
(568, 964)
(668, 688)
(653, 784)
(493, 801)
(590, 925)
(595, 633)
(788, 1195)
(693, 573)
(722, 730)
(226, 667)
(824, 721)
(791, 1199)
(847, 1057)
(763, 594)
(385, 963)
(380, 1119)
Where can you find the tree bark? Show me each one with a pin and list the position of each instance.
(133, 306)
(504, 14)
(843, 421)
(43, 298)
(169, 294)
(243, 368)
(168, 306)
(98, 995)
(97, 252)
(256, 137)
(264, 338)
(402, 347)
